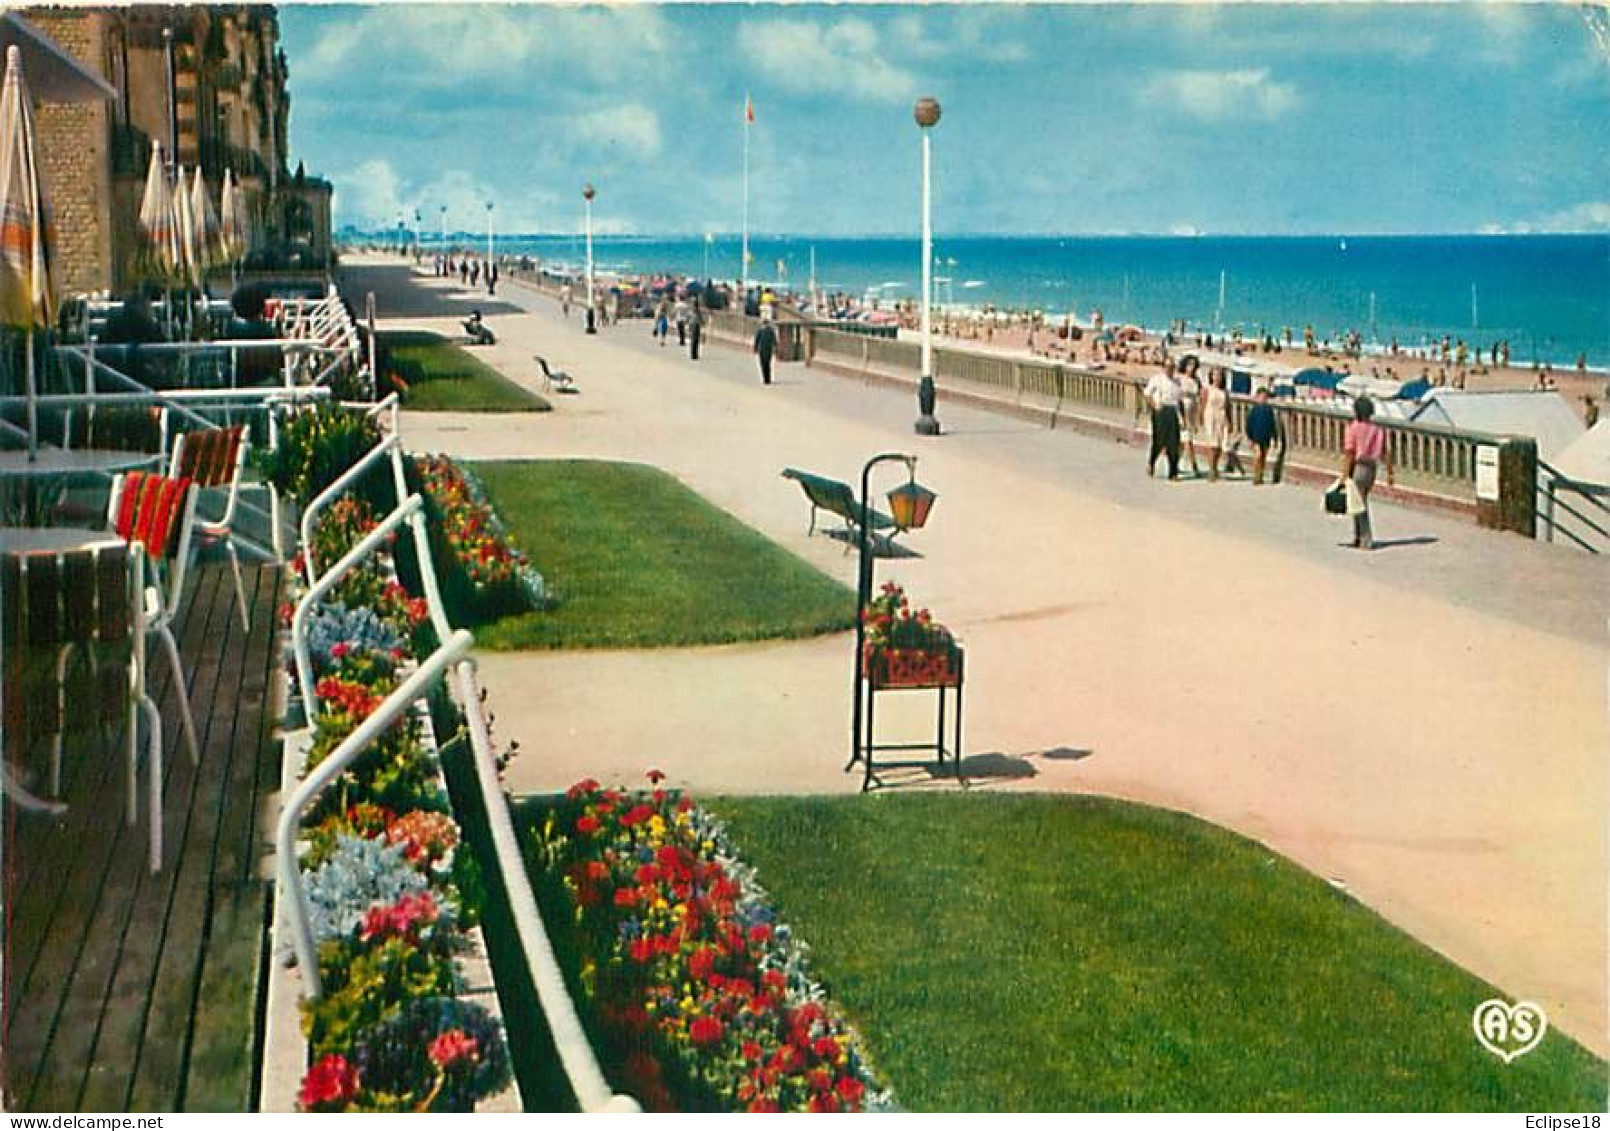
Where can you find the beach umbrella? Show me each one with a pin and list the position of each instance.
(1313, 377)
(184, 227)
(210, 244)
(159, 250)
(27, 298)
(232, 218)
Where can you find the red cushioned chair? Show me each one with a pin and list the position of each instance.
(216, 457)
(158, 512)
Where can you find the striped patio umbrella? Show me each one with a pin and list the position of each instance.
(27, 296)
(160, 254)
(184, 225)
(210, 247)
(232, 219)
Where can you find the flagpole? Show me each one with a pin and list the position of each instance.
(743, 267)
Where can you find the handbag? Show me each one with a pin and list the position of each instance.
(1336, 498)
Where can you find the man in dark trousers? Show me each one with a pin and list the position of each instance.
(765, 346)
(695, 329)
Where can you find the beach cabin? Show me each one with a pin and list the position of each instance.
(1544, 415)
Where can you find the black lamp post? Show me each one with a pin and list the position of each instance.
(587, 194)
(909, 506)
(927, 115)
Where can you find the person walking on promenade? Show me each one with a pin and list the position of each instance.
(1364, 447)
(463, 272)
(695, 329)
(662, 316)
(492, 278)
(1190, 406)
(1163, 394)
(1215, 420)
(679, 312)
(765, 346)
(564, 299)
(1263, 426)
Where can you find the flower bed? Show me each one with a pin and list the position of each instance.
(705, 1000)
(483, 576)
(392, 891)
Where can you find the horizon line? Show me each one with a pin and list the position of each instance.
(429, 237)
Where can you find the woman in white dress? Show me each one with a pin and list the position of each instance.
(1215, 420)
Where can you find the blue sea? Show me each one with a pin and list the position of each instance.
(1548, 296)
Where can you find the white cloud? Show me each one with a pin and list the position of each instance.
(1216, 96)
(844, 59)
(633, 127)
(369, 195)
(1589, 216)
(373, 195)
(459, 44)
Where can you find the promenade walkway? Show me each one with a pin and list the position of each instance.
(1425, 725)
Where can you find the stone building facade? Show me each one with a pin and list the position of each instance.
(226, 108)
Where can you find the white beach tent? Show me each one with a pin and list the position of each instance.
(1587, 458)
(1544, 415)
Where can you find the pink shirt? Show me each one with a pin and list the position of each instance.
(1365, 440)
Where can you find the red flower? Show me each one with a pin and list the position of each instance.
(636, 815)
(625, 897)
(826, 1048)
(759, 933)
(705, 1031)
(849, 1089)
(774, 980)
(452, 1047)
(585, 786)
(328, 1085)
(764, 1105)
(641, 949)
(340, 650)
(655, 777)
(751, 1050)
(824, 1101)
(587, 826)
(820, 1080)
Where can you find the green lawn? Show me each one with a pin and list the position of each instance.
(443, 377)
(636, 560)
(1047, 953)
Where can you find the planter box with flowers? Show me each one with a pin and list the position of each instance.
(702, 998)
(395, 895)
(906, 648)
(483, 575)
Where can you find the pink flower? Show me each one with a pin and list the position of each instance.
(452, 1048)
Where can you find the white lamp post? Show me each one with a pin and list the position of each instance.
(587, 194)
(444, 229)
(489, 235)
(927, 115)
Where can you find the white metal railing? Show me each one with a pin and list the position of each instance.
(327, 496)
(392, 708)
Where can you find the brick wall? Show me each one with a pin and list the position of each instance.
(72, 141)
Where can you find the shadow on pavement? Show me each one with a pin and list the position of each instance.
(399, 295)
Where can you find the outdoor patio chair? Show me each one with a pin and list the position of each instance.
(57, 605)
(216, 458)
(158, 513)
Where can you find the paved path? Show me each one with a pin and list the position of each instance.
(1425, 724)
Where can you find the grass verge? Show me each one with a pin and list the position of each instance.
(1065, 953)
(636, 560)
(442, 377)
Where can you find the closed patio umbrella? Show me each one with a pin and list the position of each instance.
(160, 254)
(232, 219)
(210, 246)
(27, 294)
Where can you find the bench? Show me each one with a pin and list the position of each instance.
(831, 495)
(556, 379)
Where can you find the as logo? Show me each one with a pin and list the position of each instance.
(1509, 1031)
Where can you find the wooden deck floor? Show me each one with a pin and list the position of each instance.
(132, 992)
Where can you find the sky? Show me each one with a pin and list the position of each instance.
(1095, 119)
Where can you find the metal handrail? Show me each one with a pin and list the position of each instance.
(576, 1055)
(390, 710)
(317, 589)
(327, 496)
